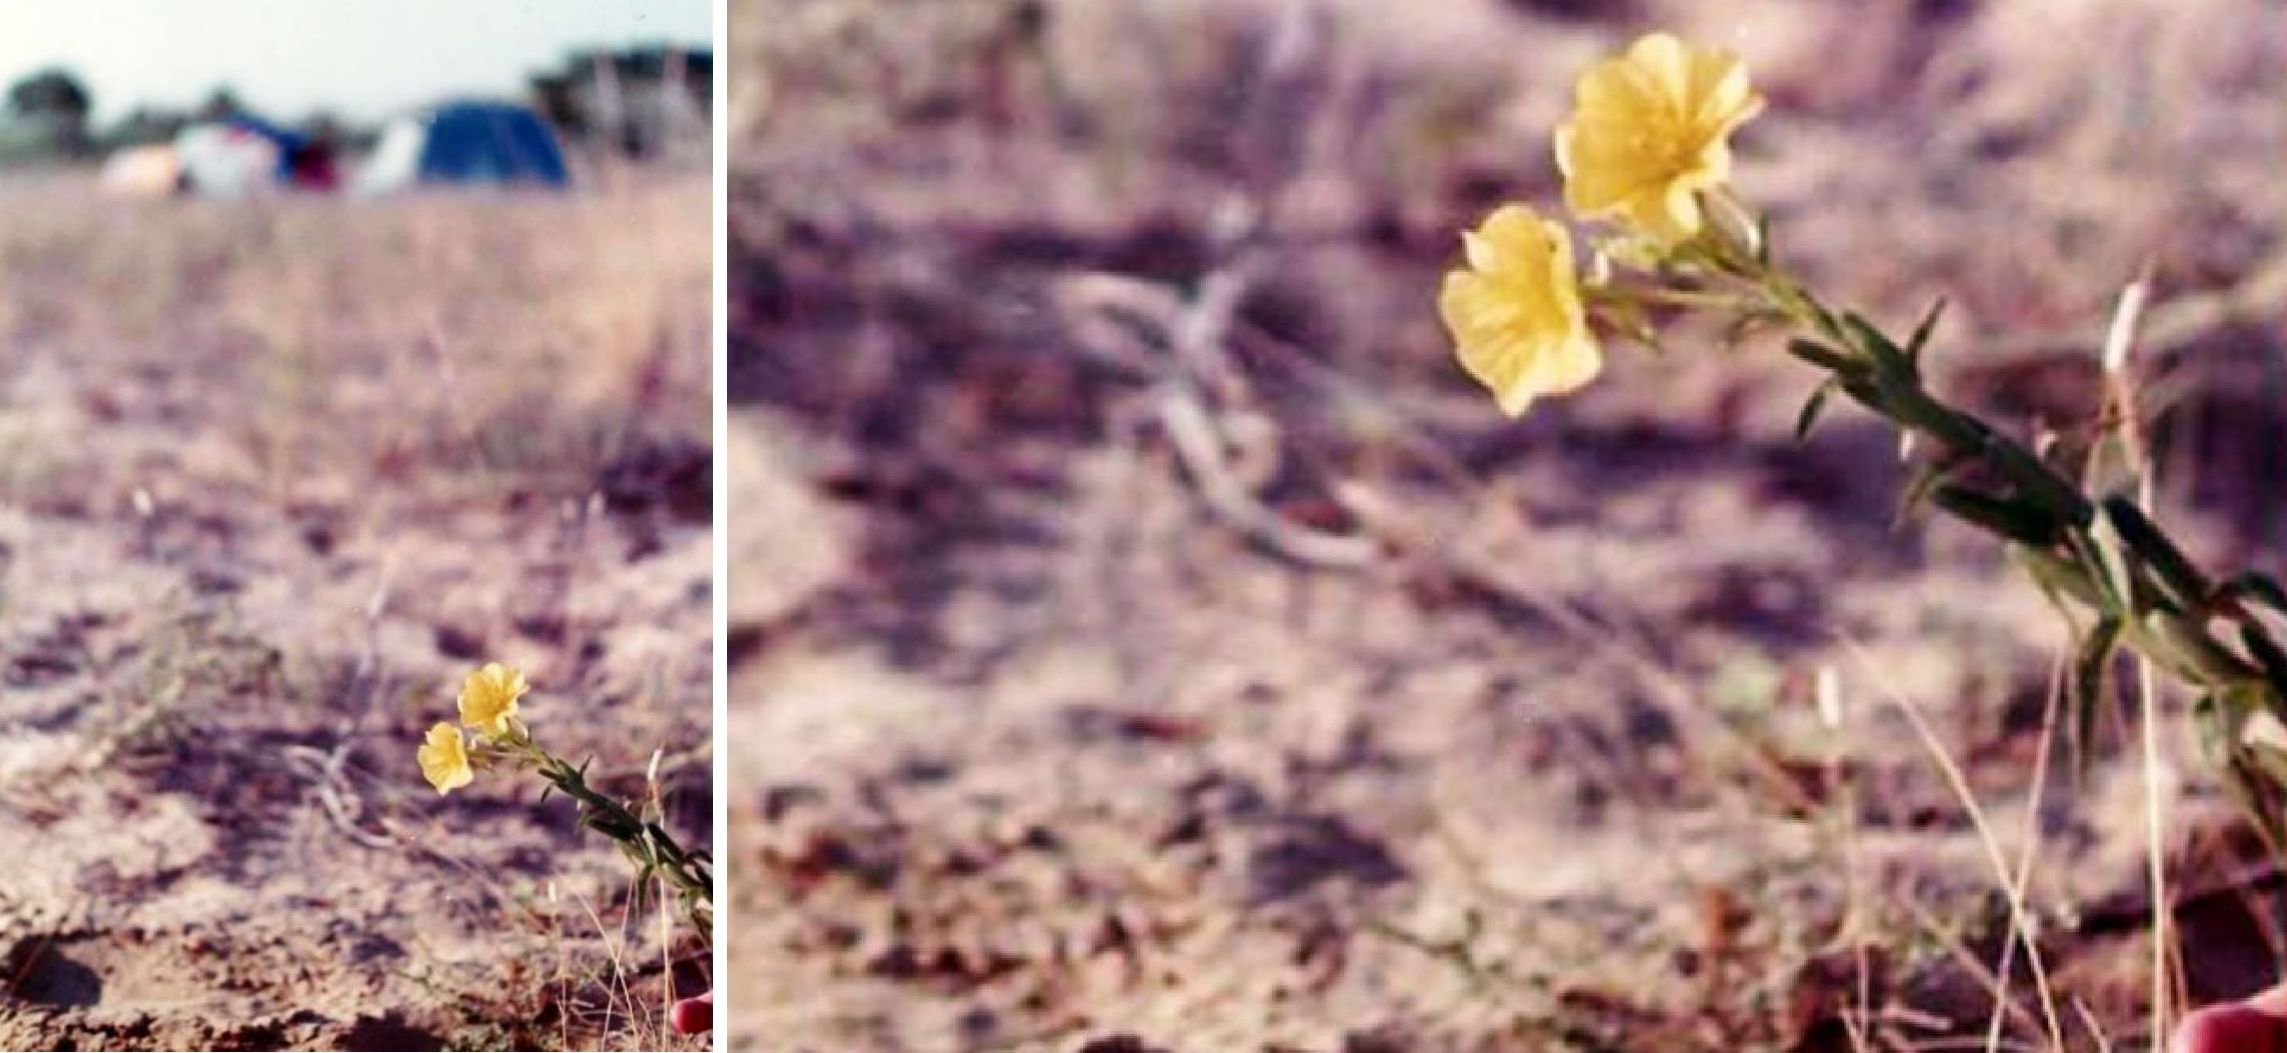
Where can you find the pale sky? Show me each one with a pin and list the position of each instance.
(360, 58)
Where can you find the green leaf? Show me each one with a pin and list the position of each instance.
(1763, 240)
(1824, 318)
(1812, 406)
(2021, 521)
(2092, 675)
(2218, 726)
(2057, 577)
(1921, 338)
(2269, 657)
(2260, 587)
(2177, 576)
(1926, 479)
(2118, 578)
(1825, 357)
(1868, 394)
(2186, 647)
(1885, 352)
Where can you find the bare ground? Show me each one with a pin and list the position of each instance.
(1498, 736)
(276, 475)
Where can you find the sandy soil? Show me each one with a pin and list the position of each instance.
(1034, 748)
(275, 476)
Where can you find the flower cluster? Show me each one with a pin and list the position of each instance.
(1648, 141)
(488, 705)
(497, 735)
(1647, 156)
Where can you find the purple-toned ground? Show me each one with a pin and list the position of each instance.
(1496, 735)
(273, 477)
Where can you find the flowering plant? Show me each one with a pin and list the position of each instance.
(1647, 150)
(499, 737)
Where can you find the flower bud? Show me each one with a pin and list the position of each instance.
(1732, 226)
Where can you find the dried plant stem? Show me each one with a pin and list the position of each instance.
(2155, 834)
(2119, 342)
(2020, 918)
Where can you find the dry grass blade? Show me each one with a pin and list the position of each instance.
(2020, 918)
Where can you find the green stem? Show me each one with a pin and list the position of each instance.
(653, 850)
(2166, 605)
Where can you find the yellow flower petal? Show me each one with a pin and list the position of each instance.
(1515, 314)
(488, 699)
(445, 759)
(1650, 130)
(1664, 61)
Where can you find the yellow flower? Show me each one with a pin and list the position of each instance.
(1650, 130)
(488, 699)
(445, 759)
(1515, 311)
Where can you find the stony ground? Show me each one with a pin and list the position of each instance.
(276, 475)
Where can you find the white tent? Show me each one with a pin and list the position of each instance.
(396, 160)
(226, 161)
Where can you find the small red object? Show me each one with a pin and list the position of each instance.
(2231, 1029)
(693, 1016)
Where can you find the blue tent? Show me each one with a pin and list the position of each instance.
(469, 142)
(491, 143)
(288, 142)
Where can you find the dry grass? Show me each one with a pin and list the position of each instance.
(276, 473)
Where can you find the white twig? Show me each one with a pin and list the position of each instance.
(2119, 344)
(1197, 442)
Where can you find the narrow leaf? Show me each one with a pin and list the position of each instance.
(2118, 580)
(1926, 479)
(2092, 675)
(2184, 582)
(1825, 357)
(1812, 406)
(1885, 352)
(2260, 587)
(2057, 577)
(2187, 647)
(1921, 338)
(2267, 654)
(2017, 520)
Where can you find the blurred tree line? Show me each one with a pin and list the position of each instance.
(641, 102)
